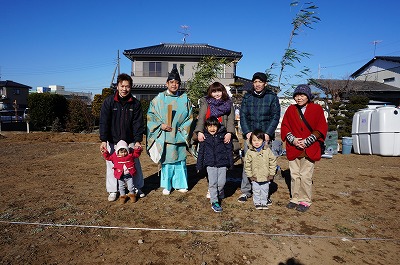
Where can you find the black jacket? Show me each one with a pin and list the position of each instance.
(213, 152)
(121, 122)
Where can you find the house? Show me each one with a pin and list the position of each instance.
(150, 65)
(13, 99)
(56, 89)
(378, 79)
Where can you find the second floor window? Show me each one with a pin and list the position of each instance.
(154, 68)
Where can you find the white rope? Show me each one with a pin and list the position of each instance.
(205, 231)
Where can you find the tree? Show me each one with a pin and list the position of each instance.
(79, 116)
(98, 102)
(45, 108)
(205, 72)
(304, 18)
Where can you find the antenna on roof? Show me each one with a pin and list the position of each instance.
(185, 33)
(375, 42)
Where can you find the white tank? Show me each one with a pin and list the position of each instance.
(385, 131)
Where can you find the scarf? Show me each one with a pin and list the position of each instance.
(261, 147)
(219, 107)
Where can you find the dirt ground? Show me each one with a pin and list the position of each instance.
(54, 210)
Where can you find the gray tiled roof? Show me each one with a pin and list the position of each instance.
(9, 83)
(181, 50)
(395, 59)
(358, 85)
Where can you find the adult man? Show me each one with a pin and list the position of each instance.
(168, 123)
(121, 118)
(260, 109)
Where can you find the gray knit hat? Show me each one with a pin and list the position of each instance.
(303, 89)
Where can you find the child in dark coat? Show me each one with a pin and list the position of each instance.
(216, 157)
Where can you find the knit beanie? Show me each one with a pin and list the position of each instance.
(174, 75)
(121, 145)
(303, 89)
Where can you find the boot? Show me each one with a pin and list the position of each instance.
(122, 199)
(132, 197)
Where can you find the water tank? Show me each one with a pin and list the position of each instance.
(385, 131)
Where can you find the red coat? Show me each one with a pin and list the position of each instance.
(292, 122)
(119, 162)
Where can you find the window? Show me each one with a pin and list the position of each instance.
(182, 69)
(155, 69)
(16, 91)
(388, 80)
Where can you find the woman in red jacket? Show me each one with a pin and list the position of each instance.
(302, 144)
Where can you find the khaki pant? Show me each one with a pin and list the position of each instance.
(301, 171)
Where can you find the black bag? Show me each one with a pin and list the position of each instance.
(321, 143)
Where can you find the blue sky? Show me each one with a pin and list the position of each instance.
(75, 43)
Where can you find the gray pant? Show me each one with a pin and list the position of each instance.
(216, 181)
(245, 185)
(260, 192)
(129, 182)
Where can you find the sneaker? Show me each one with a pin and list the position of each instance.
(291, 205)
(216, 207)
(182, 190)
(112, 196)
(243, 198)
(258, 207)
(166, 192)
(208, 196)
(140, 193)
(269, 202)
(302, 207)
(264, 207)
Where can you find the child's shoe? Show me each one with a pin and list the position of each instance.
(132, 197)
(269, 202)
(258, 207)
(216, 207)
(122, 199)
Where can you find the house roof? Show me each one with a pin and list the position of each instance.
(181, 50)
(359, 85)
(9, 83)
(395, 59)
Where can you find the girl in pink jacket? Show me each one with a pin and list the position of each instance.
(124, 168)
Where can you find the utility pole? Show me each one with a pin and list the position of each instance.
(117, 67)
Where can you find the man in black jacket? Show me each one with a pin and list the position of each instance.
(121, 118)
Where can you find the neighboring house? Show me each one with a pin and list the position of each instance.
(379, 80)
(150, 65)
(13, 98)
(55, 89)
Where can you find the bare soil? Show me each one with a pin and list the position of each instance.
(54, 210)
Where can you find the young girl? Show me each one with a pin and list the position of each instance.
(302, 147)
(260, 166)
(216, 156)
(124, 168)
